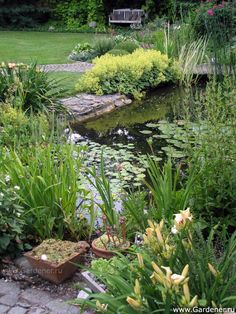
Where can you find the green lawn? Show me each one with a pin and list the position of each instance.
(67, 80)
(42, 47)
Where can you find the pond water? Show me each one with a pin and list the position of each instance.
(125, 124)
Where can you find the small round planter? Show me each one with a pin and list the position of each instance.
(99, 252)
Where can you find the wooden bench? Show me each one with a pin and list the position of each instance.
(126, 16)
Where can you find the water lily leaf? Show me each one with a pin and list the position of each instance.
(146, 132)
(152, 125)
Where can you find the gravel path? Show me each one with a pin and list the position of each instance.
(79, 67)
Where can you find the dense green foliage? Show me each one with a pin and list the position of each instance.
(11, 220)
(174, 268)
(28, 88)
(216, 20)
(129, 74)
(49, 210)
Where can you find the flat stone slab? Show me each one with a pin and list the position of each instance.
(14, 300)
(78, 66)
(86, 107)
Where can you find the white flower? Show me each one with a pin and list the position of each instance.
(1, 194)
(176, 279)
(178, 218)
(44, 257)
(16, 187)
(7, 178)
(174, 230)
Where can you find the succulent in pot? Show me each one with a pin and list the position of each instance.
(55, 260)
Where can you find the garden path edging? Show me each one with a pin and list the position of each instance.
(86, 107)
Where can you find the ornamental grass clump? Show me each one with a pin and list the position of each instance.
(129, 74)
(28, 88)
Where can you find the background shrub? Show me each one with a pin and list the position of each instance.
(129, 75)
(129, 46)
(118, 52)
(217, 20)
(103, 45)
(214, 153)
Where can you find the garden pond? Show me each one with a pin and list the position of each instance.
(125, 136)
(131, 126)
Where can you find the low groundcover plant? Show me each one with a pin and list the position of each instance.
(129, 74)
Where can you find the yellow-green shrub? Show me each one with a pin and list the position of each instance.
(129, 74)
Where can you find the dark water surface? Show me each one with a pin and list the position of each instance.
(124, 124)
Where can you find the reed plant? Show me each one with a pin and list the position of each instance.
(48, 190)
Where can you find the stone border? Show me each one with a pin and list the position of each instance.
(87, 107)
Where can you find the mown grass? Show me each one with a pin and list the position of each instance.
(67, 80)
(40, 47)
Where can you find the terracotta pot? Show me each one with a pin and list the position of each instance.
(105, 253)
(57, 272)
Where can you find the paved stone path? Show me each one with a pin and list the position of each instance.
(14, 300)
(79, 67)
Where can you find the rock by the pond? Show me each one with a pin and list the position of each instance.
(86, 106)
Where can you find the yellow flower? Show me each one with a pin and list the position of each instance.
(149, 232)
(158, 234)
(194, 301)
(176, 279)
(140, 260)
(101, 307)
(181, 219)
(186, 292)
(213, 270)
(157, 269)
(185, 271)
(133, 303)
(137, 287)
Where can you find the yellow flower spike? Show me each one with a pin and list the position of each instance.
(212, 270)
(151, 224)
(168, 272)
(101, 307)
(140, 260)
(133, 303)
(194, 301)
(185, 271)
(158, 234)
(158, 278)
(152, 277)
(137, 287)
(186, 292)
(145, 239)
(161, 224)
(149, 232)
(157, 269)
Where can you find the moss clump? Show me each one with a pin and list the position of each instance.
(56, 251)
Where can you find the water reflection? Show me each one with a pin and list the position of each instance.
(124, 125)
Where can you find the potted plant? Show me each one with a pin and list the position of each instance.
(111, 241)
(55, 260)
